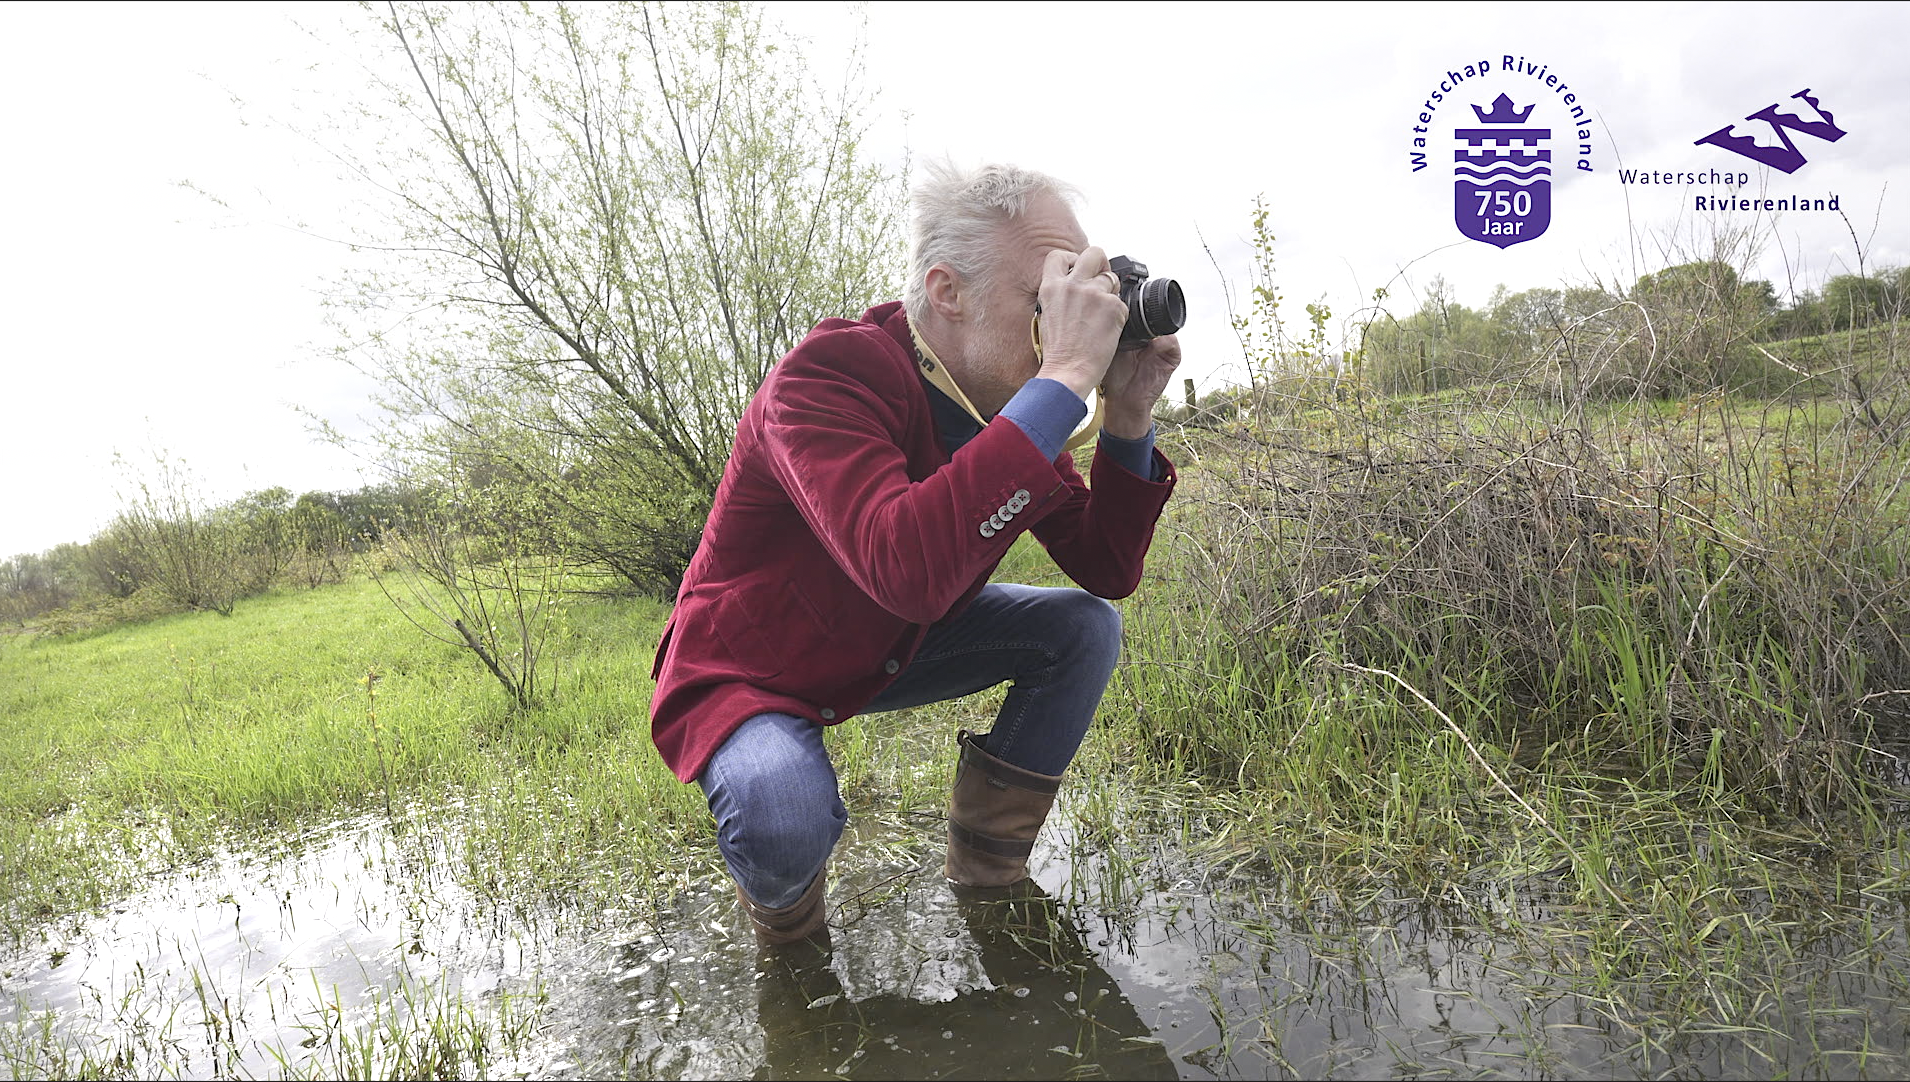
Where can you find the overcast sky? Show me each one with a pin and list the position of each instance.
(144, 316)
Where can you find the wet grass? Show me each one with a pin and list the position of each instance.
(349, 950)
(157, 741)
(1601, 686)
(151, 753)
(416, 1030)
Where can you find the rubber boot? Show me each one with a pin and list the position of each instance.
(994, 813)
(797, 921)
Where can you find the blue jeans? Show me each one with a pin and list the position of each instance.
(773, 790)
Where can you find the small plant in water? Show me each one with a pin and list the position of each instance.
(377, 729)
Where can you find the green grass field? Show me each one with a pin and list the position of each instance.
(143, 746)
(156, 741)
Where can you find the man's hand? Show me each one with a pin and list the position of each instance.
(1081, 318)
(1133, 384)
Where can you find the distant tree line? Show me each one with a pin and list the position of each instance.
(1847, 302)
(165, 551)
(1687, 327)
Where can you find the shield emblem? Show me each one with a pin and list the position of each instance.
(1502, 186)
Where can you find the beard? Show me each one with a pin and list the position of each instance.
(1000, 358)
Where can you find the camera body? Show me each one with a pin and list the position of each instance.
(1155, 306)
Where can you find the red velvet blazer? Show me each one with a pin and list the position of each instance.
(842, 529)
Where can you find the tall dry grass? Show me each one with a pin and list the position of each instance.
(1709, 585)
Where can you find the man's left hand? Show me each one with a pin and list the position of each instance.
(1133, 384)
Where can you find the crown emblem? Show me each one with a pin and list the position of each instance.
(1503, 112)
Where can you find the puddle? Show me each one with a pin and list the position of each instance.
(916, 983)
(354, 950)
(292, 959)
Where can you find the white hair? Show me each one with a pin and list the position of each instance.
(957, 217)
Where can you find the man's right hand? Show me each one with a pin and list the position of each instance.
(1081, 318)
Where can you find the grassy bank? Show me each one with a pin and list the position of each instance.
(1618, 679)
(159, 740)
(144, 746)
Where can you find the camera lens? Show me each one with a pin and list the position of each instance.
(1162, 309)
(1154, 305)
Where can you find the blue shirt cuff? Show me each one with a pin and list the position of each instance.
(1135, 456)
(1048, 412)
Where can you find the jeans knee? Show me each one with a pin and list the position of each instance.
(778, 812)
(1094, 629)
(780, 835)
(784, 847)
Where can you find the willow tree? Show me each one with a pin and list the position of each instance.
(602, 225)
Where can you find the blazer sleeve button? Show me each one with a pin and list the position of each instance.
(828, 714)
(891, 666)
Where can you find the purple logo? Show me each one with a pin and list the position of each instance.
(1502, 187)
(1502, 161)
(1786, 158)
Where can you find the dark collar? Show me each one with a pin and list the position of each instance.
(953, 425)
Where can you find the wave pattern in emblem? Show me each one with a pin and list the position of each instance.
(1505, 174)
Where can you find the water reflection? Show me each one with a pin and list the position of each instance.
(914, 981)
(1041, 1007)
(278, 958)
(354, 949)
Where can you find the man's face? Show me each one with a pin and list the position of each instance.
(999, 352)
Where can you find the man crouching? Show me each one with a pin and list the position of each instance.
(879, 475)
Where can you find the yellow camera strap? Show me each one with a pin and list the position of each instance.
(938, 374)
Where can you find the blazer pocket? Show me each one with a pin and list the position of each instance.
(752, 623)
(663, 647)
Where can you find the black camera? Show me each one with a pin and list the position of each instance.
(1154, 306)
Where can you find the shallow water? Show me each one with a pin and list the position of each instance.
(261, 961)
(354, 949)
